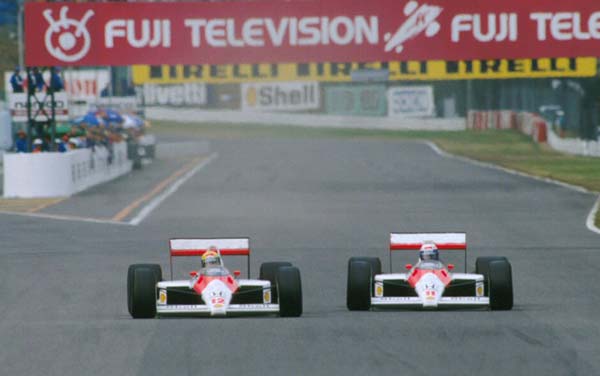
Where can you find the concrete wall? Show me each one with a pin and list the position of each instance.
(28, 175)
(305, 120)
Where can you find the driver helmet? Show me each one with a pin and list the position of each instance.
(429, 251)
(211, 258)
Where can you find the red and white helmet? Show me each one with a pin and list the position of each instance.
(429, 251)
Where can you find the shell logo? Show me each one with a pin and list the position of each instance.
(251, 96)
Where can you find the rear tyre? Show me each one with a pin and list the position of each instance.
(501, 289)
(360, 281)
(141, 289)
(289, 287)
(268, 272)
(482, 266)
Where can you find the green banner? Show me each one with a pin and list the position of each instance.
(360, 100)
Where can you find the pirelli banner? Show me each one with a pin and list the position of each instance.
(343, 72)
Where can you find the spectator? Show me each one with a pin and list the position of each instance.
(60, 145)
(106, 91)
(37, 146)
(73, 143)
(21, 142)
(38, 79)
(16, 81)
(56, 83)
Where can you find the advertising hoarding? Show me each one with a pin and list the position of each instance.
(411, 101)
(307, 31)
(280, 96)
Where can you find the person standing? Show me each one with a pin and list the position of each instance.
(16, 81)
(56, 83)
(38, 79)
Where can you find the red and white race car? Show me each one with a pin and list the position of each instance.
(212, 290)
(429, 283)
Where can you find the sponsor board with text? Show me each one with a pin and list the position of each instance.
(342, 72)
(17, 105)
(281, 96)
(185, 94)
(359, 100)
(411, 101)
(303, 31)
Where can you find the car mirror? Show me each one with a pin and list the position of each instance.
(450, 266)
(408, 266)
(193, 274)
(237, 273)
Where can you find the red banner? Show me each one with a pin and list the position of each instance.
(308, 31)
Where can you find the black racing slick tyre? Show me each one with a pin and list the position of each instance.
(289, 289)
(374, 261)
(501, 288)
(268, 271)
(141, 289)
(360, 281)
(482, 266)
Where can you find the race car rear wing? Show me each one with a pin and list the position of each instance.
(445, 241)
(185, 247)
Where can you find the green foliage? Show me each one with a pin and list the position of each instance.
(9, 51)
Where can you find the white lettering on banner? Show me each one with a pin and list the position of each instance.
(153, 33)
(306, 31)
(281, 96)
(499, 27)
(175, 95)
(566, 26)
(412, 101)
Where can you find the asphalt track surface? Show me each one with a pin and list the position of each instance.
(316, 203)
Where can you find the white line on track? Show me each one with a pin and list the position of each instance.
(152, 205)
(66, 218)
(591, 216)
(590, 223)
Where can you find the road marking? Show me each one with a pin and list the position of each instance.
(146, 210)
(125, 212)
(46, 205)
(67, 218)
(590, 221)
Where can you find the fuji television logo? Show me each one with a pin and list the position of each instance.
(67, 39)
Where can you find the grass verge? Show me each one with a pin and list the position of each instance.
(505, 148)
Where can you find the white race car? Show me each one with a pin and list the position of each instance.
(429, 284)
(212, 290)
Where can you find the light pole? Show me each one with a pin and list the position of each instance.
(20, 32)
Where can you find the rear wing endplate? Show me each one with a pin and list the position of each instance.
(187, 247)
(445, 241)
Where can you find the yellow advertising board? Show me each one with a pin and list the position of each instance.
(342, 72)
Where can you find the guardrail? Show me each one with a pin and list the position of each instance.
(28, 175)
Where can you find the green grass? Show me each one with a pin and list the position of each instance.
(505, 148)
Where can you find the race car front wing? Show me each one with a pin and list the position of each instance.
(204, 310)
(413, 301)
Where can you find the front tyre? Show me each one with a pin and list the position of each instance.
(360, 280)
(289, 290)
(501, 289)
(141, 290)
(268, 272)
(482, 266)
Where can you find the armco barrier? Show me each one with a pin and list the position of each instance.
(28, 175)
